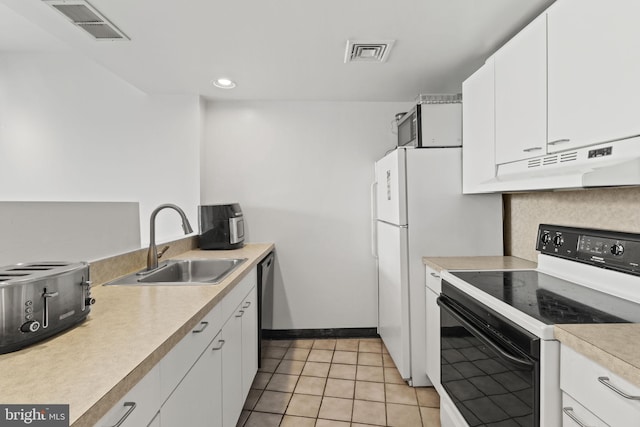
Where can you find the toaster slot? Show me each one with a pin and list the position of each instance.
(47, 295)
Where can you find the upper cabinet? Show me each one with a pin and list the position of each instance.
(521, 94)
(478, 130)
(594, 69)
(566, 96)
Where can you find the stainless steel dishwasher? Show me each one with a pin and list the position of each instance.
(265, 282)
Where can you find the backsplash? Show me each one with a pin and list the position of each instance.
(606, 208)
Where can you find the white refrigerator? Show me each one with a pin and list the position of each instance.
(418, 210)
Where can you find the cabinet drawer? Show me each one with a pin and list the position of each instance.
(576, 415)
(175, 365)
(579, 377)
(138, 407)
(238, 294)
(433, 280)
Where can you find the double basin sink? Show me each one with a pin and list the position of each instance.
(184, 272)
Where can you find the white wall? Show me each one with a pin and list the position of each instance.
(301, 172)
(72, 131)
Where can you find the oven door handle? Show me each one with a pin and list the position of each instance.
(516, 361)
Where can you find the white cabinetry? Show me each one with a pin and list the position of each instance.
(239, 357)
(521, 94)
(249, 341)
(139, 406)
(197, 401)
(478, 129)
(594, 89)
(586, 384)
(232, 369)
(433, 328)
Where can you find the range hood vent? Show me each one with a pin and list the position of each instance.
(87, 17)
(367, 50)
(609, 164)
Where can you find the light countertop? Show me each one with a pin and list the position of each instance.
(478, 263)
(130, 328)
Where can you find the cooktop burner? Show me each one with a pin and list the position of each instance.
(552, 300)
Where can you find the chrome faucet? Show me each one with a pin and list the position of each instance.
(152, 255)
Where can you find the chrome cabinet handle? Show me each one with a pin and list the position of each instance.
(434, 275)
(132, 406)
(528, 150)
(221, 342)
(204, 326)
(571, 414)
(605, 381)
(240, 313)
(247, 304)
(558, 141)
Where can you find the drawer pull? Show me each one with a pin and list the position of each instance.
(434, 275)
(221, 342)
(528, 150)
(559, 141)
(247, 304)
(204, 326)
(240, 313)
(569, 411)
(605, 381)
(132, 406)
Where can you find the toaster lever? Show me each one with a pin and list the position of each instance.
(46, 295)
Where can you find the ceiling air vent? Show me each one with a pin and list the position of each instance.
(367, 50)
(87, 17)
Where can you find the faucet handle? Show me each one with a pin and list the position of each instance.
(162, 251)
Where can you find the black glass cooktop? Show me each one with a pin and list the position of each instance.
(552, 300)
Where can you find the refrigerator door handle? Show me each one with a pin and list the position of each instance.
(374, 233)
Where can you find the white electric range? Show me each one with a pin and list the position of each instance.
(499, 359)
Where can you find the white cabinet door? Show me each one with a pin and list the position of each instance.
(594, 89)
(232, 398)
(478, 129)
(521, 94)
(433, 329)
(139, 406)
(249, 341)
(197, 401)
(175, 365)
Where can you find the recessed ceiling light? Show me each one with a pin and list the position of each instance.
(224, 83)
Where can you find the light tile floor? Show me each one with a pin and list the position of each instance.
(334, 383)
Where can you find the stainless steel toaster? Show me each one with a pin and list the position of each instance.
(38, 300)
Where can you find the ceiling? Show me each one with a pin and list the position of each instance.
(280, 49)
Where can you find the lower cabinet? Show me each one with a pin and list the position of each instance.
(197, 401)
(593, 395)
(139, 406)
(232, 369)
(249, 341)
(204, 380)
(433, 328)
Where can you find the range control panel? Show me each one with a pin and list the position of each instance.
(608, 249)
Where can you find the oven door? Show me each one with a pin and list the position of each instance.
(490, 380)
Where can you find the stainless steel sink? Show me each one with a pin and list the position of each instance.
(184, 272)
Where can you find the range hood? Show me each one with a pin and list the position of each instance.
(610, 164)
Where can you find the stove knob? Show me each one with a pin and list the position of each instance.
(617, 249)
(545, 238)
(30, 326)
(558, 240)
(89, 301)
